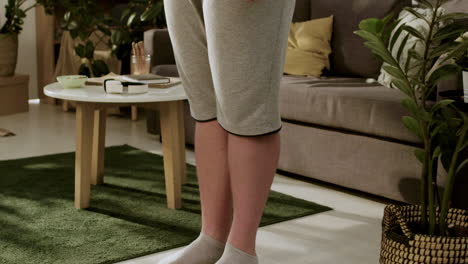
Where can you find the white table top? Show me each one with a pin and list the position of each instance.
(98, 95)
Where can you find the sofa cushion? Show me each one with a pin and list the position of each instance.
(345, 103)
(350, 57)
(309, 47)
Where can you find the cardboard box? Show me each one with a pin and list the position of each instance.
(14, 94)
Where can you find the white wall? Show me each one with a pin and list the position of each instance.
(27, 59)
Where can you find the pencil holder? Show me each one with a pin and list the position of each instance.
(140, 64)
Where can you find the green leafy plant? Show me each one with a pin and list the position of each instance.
(463, 60)
(84, 17)
(441, 126)
(16, 12)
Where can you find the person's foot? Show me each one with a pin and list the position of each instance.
(233, 255)
(203, 250)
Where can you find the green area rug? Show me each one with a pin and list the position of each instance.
(127, 218)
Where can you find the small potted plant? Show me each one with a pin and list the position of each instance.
(9, 31)
(434, 231)
(15, 13)
(463, 63)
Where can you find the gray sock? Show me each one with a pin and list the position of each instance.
(233, 255)
(203, 250)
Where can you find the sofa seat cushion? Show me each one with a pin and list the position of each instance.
(345, 103)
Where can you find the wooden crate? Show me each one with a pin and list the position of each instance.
(14, 94)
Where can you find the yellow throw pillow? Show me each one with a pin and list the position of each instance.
(309, 47)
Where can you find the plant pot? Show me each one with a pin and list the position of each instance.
(401, 245)
(465, 86)
(8, 54)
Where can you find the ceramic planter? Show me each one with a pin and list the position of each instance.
(8, 54)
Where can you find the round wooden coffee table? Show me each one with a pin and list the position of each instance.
(91, 104)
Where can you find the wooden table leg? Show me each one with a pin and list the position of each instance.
(65, 105)
(83, 155)
(134, 110)
(99, 139)
(173, 139)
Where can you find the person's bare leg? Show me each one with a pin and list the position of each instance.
(213, 179)
(215, 196)
(252, 166)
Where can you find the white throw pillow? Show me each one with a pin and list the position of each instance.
(421, 26)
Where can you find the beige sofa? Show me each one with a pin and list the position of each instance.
(338, 128)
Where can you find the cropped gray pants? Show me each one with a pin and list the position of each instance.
(230, 57)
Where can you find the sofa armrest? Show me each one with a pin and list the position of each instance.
(158, 45)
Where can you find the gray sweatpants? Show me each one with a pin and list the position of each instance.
(230, 57)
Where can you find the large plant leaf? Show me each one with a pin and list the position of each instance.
(417, 14)
(389, 25)
(381, 51)
(367, 35)
(420, 154)
(450, 31)
(99, 68)
(395, 37)
(442, 49)
(89, 50)
(84, 70)
(80, 51)
(372, 25)
(436, 130)
(152, 12)
(104, 30)
(441, 103)
(453, 16)
(437, 152)
(412, 124)
(414, 32)
(402, 47)
(411, 106)
(125, 14)
(412, 54)
(456, 52)
(395, 72)
(116, 37)
(131, 19)
(444, 72)
(403, 86)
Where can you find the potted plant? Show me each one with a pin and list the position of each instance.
(15, 13)
(432, 232)
(83, 18)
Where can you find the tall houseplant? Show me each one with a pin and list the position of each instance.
(14, 14)
(441, 126)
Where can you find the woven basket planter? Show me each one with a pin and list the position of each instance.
(8, 54)
(401, 245)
